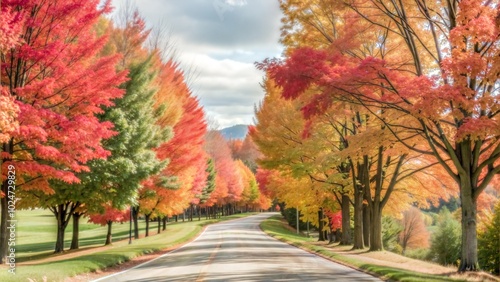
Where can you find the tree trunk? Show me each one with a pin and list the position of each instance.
(358, 218)
(338, 235)
(176, 218)
(7, 224)
(376, 228)
(59, 248)
(135, 217)
(159, 225)
(191, 212)
(199, 213)
(331, 237)
(146, 217)
(346, 221)
(320, 225)
(164, 219)
(366, 225)
(63, 213)
(469, 260)
(109, 235)
(75, 244)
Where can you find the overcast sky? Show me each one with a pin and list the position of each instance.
(221, 39)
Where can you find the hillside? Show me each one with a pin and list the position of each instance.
(238, 131)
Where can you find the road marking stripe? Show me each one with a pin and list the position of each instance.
(203, 271)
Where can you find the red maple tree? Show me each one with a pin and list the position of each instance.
(59, 82)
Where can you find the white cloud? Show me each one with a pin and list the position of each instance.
(222, 50)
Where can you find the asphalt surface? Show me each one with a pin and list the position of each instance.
(238, 250)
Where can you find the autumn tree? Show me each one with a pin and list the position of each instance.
(414, 233)
(279, 137)
(246, 151)
(187, 165)
(250, 194)
(442, 85)
(107, 218)
(228, 185)
(59, 83)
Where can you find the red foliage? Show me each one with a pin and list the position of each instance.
(60, 84)
(262, 178)
(186, 147)
(110, 215)
(228, 186)
(335, 219)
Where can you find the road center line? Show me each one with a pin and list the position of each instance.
(203, 271)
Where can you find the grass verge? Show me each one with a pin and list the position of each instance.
(275, 227)
(119, 252)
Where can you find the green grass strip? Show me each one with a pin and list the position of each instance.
(276, 228)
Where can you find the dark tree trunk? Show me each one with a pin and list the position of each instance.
(320, 225)
(338, 235)
(63, 213)
(164, 219)
(176, 218)
(331, 238)
(191, 212)
(109, 235)
(376, 228)
(360, 181)
(159, 225)
(346, 221)
(358, 218)
(146, 217)
(75, 244)
(366, 225)
(199, 213)
(6, 225)
(135, 217)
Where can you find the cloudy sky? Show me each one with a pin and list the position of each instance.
(221, 40)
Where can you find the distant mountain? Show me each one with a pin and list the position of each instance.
(238, 131)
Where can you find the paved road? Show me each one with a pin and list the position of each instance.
(239, 251)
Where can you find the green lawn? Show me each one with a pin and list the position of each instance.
(36, 238)
(36, 234)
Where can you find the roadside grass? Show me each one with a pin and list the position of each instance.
(36, 234)
(119, 252)
(277, 228)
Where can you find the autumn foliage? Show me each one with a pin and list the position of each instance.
(400, 94)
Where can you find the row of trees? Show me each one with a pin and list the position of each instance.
(97, 118)
(382, 105)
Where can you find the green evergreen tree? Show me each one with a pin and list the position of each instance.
(117, 178)
(489, 244)
(446, 241)
(210, 184)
